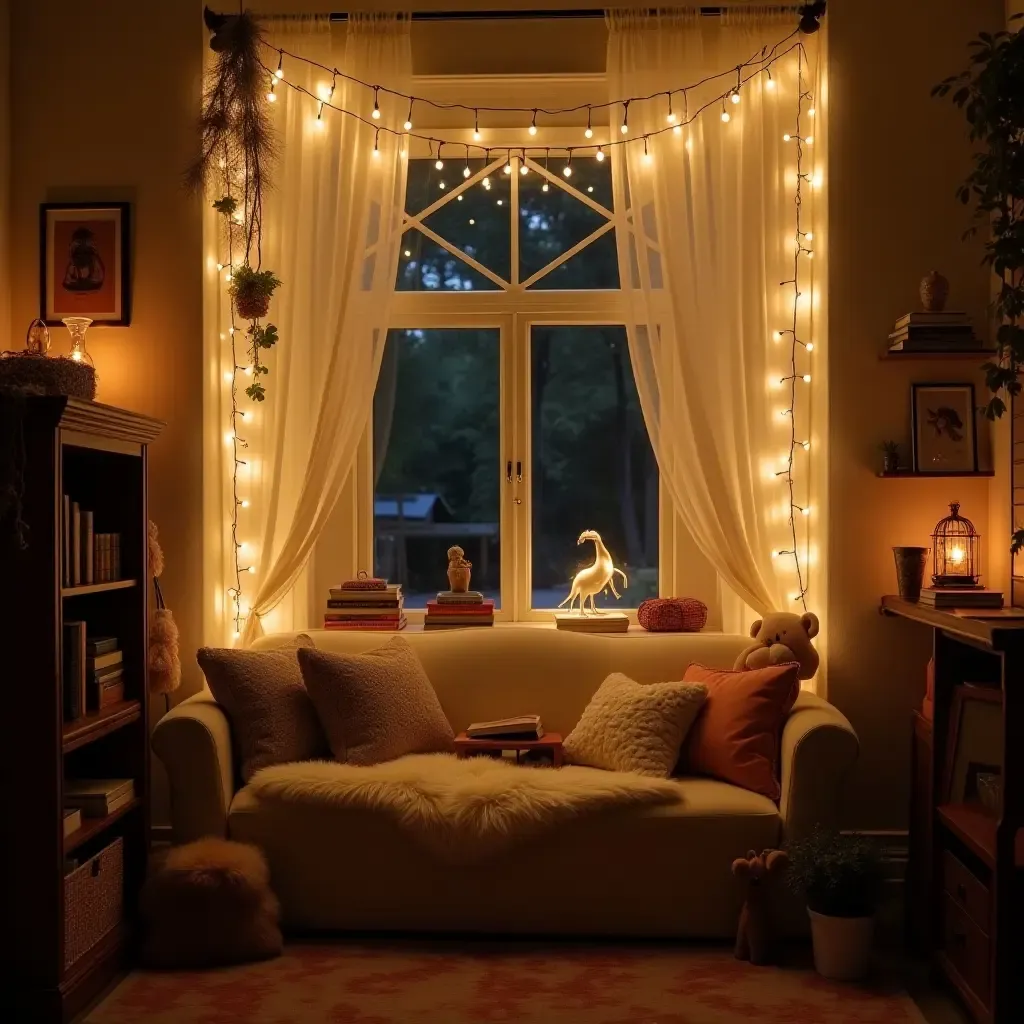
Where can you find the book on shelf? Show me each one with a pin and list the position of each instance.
(376, 624)
(355, 614)
(924, 318)
(466, 610)
(454, 597)
(97, 645)
(367, 603)
(76, 545)
(528, 726)
(66, 542)
(457, 624)
(603, 622)
(88, 552)
(73, 670)
(961, 597)
(391, 591)
(72, 820)
(458, 620)
(96, 798)
(101, 661)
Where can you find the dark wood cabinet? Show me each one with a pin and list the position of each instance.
(51, 447)
(965, 879)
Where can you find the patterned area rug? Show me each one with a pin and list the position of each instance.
(447, 982)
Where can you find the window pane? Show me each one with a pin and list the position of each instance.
(425, 266)
(436, 465)
(553, 220)
(592, 268)
(593, 468)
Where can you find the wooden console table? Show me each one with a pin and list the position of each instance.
(965, 892)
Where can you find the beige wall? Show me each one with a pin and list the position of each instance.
(112, 117)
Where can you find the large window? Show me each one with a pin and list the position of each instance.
(506, 418)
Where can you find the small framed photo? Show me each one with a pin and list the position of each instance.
(975, 741)
(945, 438)
(84, 260)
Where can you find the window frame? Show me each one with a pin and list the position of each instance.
(513, 310)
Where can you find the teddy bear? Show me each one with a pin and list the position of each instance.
(780, 637)
(755, 935)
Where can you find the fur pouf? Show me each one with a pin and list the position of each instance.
(210, 904)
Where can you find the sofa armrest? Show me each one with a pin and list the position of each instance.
(819, 748)
(193, 740)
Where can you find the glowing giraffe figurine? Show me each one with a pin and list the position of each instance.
(591, 581)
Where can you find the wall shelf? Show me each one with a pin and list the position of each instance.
(903, 474)
(100, 723)
(970, 353)
(97, 588)
(94, 826)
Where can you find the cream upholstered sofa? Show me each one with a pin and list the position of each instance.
(653, 871)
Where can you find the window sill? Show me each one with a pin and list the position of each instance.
(634, 630)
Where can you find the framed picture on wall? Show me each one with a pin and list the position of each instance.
(945, 438)
(84, 260)
(975, 741)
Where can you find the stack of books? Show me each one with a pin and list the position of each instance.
(960, 597)
(104, 665)
(72, 820)
(523, 727)
(933, 332)
(602, 622)
(360, 607)
(454, 610)
(96, 798)
(87, 557)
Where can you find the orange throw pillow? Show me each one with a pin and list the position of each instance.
(736, 735)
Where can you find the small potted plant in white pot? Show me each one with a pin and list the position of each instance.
(839, 875)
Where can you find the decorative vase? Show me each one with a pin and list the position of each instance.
(910, 565)
(37, 338)
(934, 292)
(890, 463)
(842, 945)
(458, 579)
(252, 307)
(77, 326)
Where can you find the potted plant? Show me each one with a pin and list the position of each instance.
(251, 290)
(839, 876)
(890, 457)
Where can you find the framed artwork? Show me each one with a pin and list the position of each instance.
(945, 438)
(975, 741)
(84, 259)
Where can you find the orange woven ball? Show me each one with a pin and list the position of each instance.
(672, 615)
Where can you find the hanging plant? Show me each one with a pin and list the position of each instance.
(236, 148)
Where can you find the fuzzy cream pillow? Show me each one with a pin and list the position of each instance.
(633, 727)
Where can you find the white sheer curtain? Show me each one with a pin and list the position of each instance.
(331, 233)
(705, 230)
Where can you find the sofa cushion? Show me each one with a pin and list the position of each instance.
(671, 874)
(630, 727)
(736, 736)
(375, 706)
(272, 717)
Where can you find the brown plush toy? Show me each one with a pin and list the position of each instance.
(780, 637)
(755, 936)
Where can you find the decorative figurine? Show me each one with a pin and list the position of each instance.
(458, 570)
(37, 340)
(934, 292)
(591, 581)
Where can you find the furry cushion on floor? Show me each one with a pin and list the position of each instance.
(210, 904)
(463, 810)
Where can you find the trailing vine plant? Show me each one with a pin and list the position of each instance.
(990, 92)
(236, 148)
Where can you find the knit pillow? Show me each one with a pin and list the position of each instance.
(737, 736)
(672, 615)
(272, 718)
(376, 706)
(632, 727)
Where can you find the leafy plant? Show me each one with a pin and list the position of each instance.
(990, 92)
(225, 205)
(251, 283)
(260, 337)
(890, 448)
(838, 874)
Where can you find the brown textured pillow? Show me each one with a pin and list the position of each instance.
(736, 738)
(633, 727)
(376, 706)
(272, 718)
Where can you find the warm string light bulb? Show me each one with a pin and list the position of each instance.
(726, 116)
(476, 125)
(770, 84)
(670, 116)
(647, 155)
(533, 124)
(599, 155)
(508, 165)
(567, 169)
(589, 131)
(376, 144)
(439, 163)
(279, 73)
(376, 105)
(624, 128)
(735, 97)
(271, 95)
(786, 137)
(408, 118)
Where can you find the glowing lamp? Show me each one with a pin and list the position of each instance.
(956, 551)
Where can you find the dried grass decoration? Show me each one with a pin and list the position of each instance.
(34, 374)
(164, 660)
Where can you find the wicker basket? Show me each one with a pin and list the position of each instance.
(93, 901)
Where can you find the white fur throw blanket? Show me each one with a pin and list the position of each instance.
(462, 810)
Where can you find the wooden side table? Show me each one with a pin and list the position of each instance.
(466, 747)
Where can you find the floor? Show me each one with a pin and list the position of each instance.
(449, 981)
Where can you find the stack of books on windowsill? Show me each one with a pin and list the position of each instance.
(454, 610)
(360, 607)
(933, 332)
(960, 597)
(96, 798)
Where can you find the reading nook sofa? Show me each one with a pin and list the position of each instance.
(641, 871)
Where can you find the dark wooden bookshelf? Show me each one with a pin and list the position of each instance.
(97, 455)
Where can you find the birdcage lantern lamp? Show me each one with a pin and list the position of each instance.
(956, 551)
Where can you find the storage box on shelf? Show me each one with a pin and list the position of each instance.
(69, 899)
